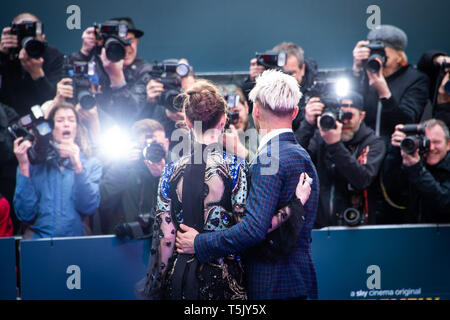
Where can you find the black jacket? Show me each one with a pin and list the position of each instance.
(423, 190)
(124, 104)
(311, 72)
(125, 192)
(339, 170)
(435, 74)
(20, 91)
(409, 89)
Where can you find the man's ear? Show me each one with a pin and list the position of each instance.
(256, 111)
(295, 113)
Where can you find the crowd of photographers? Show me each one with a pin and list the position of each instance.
(67, 169)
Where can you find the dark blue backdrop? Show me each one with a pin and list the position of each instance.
(223, 35)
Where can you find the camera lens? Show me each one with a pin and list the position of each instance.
(115, 51)
(352, 216)
(34, 48)
(374, 64)
(86, 99)
(154, 152)
(328, 121)
(409, 144)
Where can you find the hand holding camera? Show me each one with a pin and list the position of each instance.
(412, 142)
(255, 69)
(154, 90)
(313, 110)
(113, 69)
(378, 82)
(330, 136)
(21, 148)
(69, 149)
(360, 54)
(32, 65)
(9, 41)
(64, 90)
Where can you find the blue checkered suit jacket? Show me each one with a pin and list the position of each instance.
(293, 275)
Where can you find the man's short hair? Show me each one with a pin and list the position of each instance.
(148, 126)
(436, 122)
(276, 91)
(21, 15)
(291, 49)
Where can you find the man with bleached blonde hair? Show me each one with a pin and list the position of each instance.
(292, 275)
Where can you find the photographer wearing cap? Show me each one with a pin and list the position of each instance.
(129, 188)
(55, 194)
(303, 69)
(29, 68)
(436, 64)
(348, 159)
(394, 92)
(123, 75)
(421, 170)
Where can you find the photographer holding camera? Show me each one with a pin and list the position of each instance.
(169, 78)
(29, 67)
(123, 76)
(128, 189)
(347, 155)
(436, 64)
(57, 191)
(394, 92)
(420, 159)
(240, 136)
(303, 69)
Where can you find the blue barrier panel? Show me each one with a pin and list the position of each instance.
(8, 289)
(385, 262)
(102, 267)
(382, 262)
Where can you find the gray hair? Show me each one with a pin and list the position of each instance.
(291, 49)
(436, 122)
(276, 91)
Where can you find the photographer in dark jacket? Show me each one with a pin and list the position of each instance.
(129, 188)
(425, 178)
(27, 81)
(347, 159)
(396, 93)
(303, 69)
(123, 83)
(436, 64)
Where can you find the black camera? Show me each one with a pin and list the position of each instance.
(35, 128)
(271, 59)
(326, 91)
(415, 139)
(232, 116)
(169, 73)
(377, 57)
(140, 229)
(332, 113)
(154, 152)
(26, 36)
(84, 79)
(354, 215)
(112, 34)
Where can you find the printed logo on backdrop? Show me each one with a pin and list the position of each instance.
(74, 280)
(374, 20)
(374, 290)
(74, 20)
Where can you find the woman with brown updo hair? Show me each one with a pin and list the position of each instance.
(209, 181)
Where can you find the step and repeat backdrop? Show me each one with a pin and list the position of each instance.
(222, 36)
